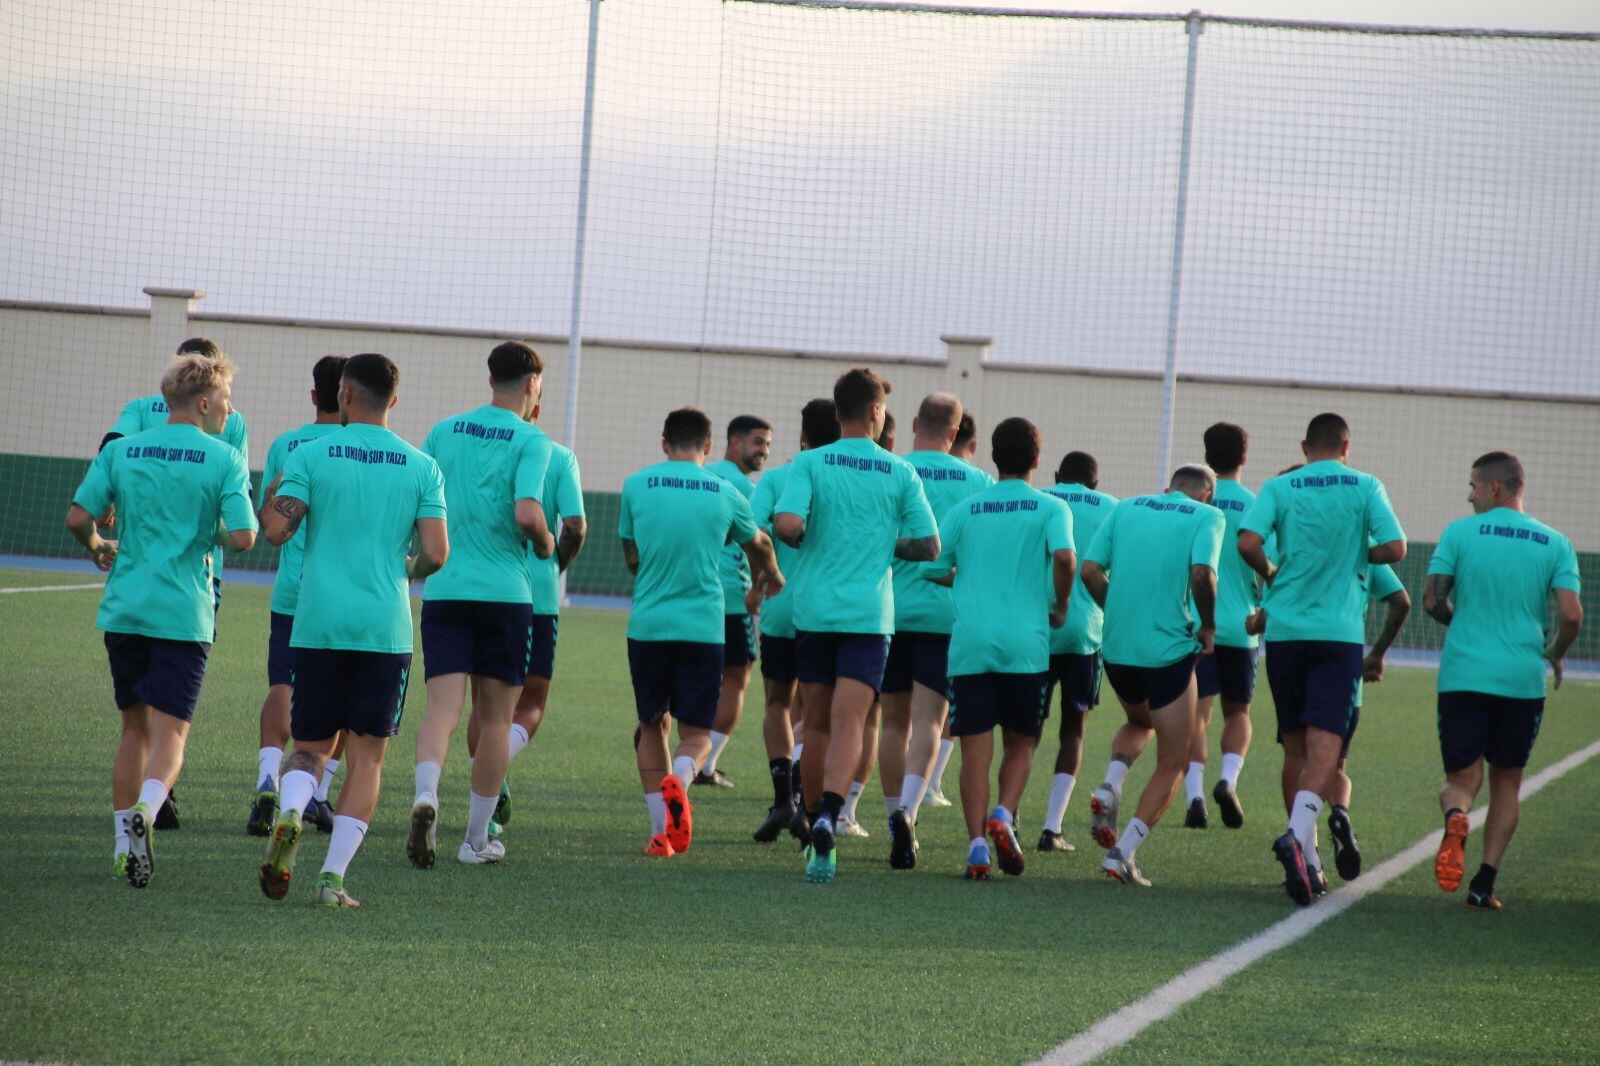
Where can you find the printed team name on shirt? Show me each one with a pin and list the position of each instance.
(1082, 497)
(939, 473)
(1320, 481)
(1229, 505)
(158, 406)
(482, 432)
(662, 481)
(168, 455)
(1489, 529)
(1163, 505)
(860, 464)
(366, 455)
(1002, 506)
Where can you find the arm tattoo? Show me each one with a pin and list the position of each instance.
(1437, 601)
(630, 556)
(292, 509)
(917, 549)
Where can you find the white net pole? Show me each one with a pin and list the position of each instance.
(1169, 377)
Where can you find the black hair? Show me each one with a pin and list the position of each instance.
(512, 361)
(325, 381)
(1326, 432)
(1016, 444)
(1078, 468)
(746, 424)
(374, 374)
(687, 427)
(1226, 444)
(819, 422)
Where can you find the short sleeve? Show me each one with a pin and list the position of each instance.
(94, 493)
(431, 503)
(916, 517)
(954, 521)
(1058, 528)
(1382, 582)
(1445, 552)
(1262, 518)
(569, 488)
(236, 433)
(764, 502)
(742, 527)
(1100, 548)
(296, 483)
(797, 493)
(625, 517)
(1207, 547)
(430, 443)
(1566, 575)
(128, 422)
(527, 482)
(237, 514)
(271, 470)
(1382, 525)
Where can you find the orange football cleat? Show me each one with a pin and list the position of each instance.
(1452, 858)
(680, 813)
(660, 847)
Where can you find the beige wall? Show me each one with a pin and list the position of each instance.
(1419, 443)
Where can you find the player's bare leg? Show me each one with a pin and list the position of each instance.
(447, 695)
(1174, 726)
(730, 706)
(1236, 732)
(893, 745)
(848, 824)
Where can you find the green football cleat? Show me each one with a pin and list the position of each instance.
(264, 811)
(822, 858)
(140, 864)
(502, 808)
(496, 830)
(119, 865)
(277, 869)
(330, 893)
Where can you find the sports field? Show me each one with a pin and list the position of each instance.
(579, 948)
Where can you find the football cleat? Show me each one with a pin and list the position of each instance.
(1006, 846)
(1452, 857)
(849, 827)
(1103, 816)
(119, 865)
(1118, 868)
(277, 868)
(1228, 803)
(320, 814)
(902, 841)
(167, 816)
(422, 842)
(800, 826)
(1319, 881)
(715, 777)
(1346, 852)
(1196, 817)
(659, 847)
(330, 893)
(1296, 881)
(492, 851)
(777, 820)
(1049, 841)
(264, 811)
(822, 858)
(141, 861)
(502, 806)
(680, 813)
(977, 862)
(1482, 901)
(937, 798)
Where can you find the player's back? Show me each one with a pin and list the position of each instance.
(490, 458)
(735, 568)
(1084, 627)
(562, 498)
(777, 612)
(291, 555)
(1148, 545)
(145, 413)
(920, 606)
(1237, 594)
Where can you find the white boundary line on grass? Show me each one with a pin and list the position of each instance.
(1115, 1030)
(52, 588)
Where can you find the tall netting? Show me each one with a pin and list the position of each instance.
(1401, 227)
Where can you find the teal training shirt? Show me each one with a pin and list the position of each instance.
(1505, 565)
(733, 568)
(680, 518)
(1000, 543)
(857, 501)
(1146, 548)
(365, 489)
(920, 606)
(777, 612)
(562, 498)
(286, 584)
(1384, 584)
(1322, 516)
(1082, 632)
(490, 458)
(171, 485)
(1238, 595)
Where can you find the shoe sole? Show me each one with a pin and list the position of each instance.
(278, 870)
(1006, 848)
(502, 808)
(421, 847)
(1103, 824)
(1492, 905)
(1296, 881)
(902, 844)
(263, 812)
(1346, 852)
(1451, 861)
(1228, 804)
(141, 857)
(680, 813)
(976, 873)
(820, 870)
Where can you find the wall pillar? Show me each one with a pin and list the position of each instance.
(169, 320)
(965, 360)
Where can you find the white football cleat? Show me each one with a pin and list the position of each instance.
(493, 851)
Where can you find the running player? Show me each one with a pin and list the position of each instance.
(915, 682)
(886, 437)
(1009, 549)
(1230, 671)
(285, 591)
(150, 412)
(477, 613)
(1074, 646)
(965, 448)
(368, 494)
(850, 507)
(1490, 581)
(819, 427)
(173, 484)
(1153, 556)
(1330, 523)
(676, 519)
(749, 444)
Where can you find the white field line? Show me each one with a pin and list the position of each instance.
(1116, 1029)
(52, 588)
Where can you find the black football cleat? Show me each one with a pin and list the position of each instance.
(1228, 803)
(715, 777)
(778, 819)
(1049, 841)
(1296, 881)
(1196, 817)
(902, 841)
(320, 814)
(1346, 852)
(167, 816)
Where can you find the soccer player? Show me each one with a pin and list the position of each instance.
(325, 377)
(150, 412)
(1229, 671)
(749, 444)
(886, 437)
(477, 612)
(1490, 581)
(850, 508)
(181, 493)
(915, 682)
(965, 446)
(1010, 551)
(364, 494)
(819, 427)
(1074, 646)
(1152, 556)
(1330, 524)
(676, 519)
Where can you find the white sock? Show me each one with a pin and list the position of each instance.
(519, 739)
(1060, 795)
(913, 790)
(479, 811)
(945, 749)
(977, 842)
(683, 766)
(427, 783)
(295, 790)
(119, 826)
(1116, 773)
(851, 799)
(1231, 765)
(890, 805)
(327, 779)
(718, 742)
(1132, 836)
(798, 748)
(1194, 782)
(658, 812)
(268, 762)
(1303, 819)
(1313, 860)
(348, 833)
(153, 794)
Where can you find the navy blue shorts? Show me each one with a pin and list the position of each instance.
(1476, 725)
(682, 678)
(738, 639)
(777, 659)
(542, 663)
(360, 691)
(280, 657)
(1350, 734)
(823, 658)
(1079, 678)
(1228, 672)
(492, 640)
(923, 658)
(1314, 684)
(1156, 685)
(981, 702)
(166, 674)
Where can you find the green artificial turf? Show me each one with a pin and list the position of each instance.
(579, 948)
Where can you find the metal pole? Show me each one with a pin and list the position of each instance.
(1169, 378)
(575, 328)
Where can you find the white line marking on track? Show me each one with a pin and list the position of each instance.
(1116, 1029)
(53, 588)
